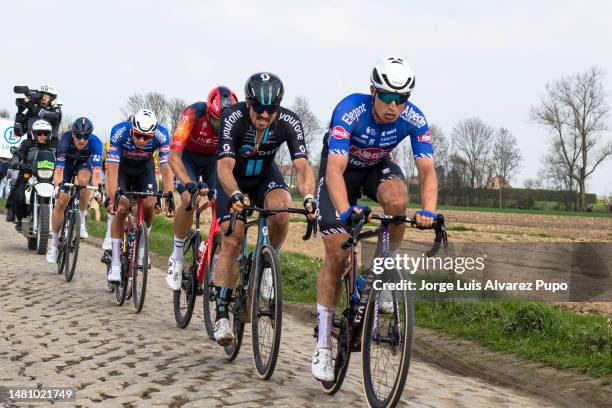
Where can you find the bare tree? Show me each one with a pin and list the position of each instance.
(506, 158)
(176, 106)
(575, 110)
(442, 154)
(155, 101)
(4, 113)
(310, 124)
(66, 124)
(472, 140)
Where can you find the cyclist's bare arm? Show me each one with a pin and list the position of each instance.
(167, 177)
(96, 177)
(334, 177)
(305, 178)
(225, 175)
(176, 163)
(428, 183)
(58, 176)
(111, 180)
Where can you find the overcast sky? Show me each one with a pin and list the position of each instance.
(475, 58)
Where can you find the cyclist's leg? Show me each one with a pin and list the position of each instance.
(385, 185)
(226, 267)
(83, 177)
(124, 183)
(183, 219)
(61, 201)
(146, 181)
(273, 192)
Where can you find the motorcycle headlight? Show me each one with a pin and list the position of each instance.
(45, 174)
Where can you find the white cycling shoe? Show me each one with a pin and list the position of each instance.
(266, 291)
(174, 273)
(107, 245)
(223, 332)
(52, 254)
(115, 274)
(84, 233)
(322, 364)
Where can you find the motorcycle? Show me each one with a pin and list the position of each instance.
(38, 175)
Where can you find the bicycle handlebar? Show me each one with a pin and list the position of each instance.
(133, 194)
(310, 229)
(437, 226)
(195, 196)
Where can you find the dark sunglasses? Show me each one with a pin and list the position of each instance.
(145, 136)
(258, 108)
(387, 97)
(42, 133)
(81, 136)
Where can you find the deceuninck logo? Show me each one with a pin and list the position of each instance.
(10, 137)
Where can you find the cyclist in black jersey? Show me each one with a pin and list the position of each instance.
(251, 134)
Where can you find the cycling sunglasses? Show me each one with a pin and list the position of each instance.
(80, 136)
(42, 133)
(387, 97)
(145, 136)
(259, 108)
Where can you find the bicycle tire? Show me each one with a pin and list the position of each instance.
(140, 274)
(236, 314)
(266, 343)
(42, 235)
(209, 294)
(121, 288)
(341, 349)
(403, 309)
(61, 247)
(72, 245)
(187, 292)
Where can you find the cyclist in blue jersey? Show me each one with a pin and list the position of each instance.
(79, 155)
(131, 168)
(364, 129)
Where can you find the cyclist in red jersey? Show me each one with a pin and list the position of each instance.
(193, 149)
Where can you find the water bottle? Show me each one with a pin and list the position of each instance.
(130, 240)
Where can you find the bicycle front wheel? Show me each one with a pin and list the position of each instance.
(184, 298)
(71, 248)
(267, 312)
(387, 345)
(141, 267)
(209, 294)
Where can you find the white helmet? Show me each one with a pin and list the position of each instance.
(144, 121)
(48, 89)
(393, 74)
(41, 125)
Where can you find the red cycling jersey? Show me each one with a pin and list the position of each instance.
(194, 132)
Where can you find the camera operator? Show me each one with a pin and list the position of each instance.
(15, 203)
(38, 105)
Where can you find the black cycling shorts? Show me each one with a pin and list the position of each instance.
(358, 182)
(137, 178)
(256, 188)
(71, 169)
(195, 164)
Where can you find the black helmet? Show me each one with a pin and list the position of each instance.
(82, 128)
(264, 88)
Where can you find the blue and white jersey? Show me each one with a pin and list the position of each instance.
(67, 151)
(122, 145)
(354, 133)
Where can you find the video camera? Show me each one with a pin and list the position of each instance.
(32, 94)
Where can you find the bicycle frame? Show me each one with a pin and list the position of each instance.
(214, 229)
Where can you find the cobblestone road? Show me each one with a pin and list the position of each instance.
(54, 333)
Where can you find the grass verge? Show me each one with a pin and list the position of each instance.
(536, 331)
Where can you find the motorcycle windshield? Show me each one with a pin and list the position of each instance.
(45, 159)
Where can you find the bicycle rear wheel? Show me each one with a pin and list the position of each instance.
(267, 312)
(209, 294)
(184, 298)
(340, 337)
(140, 273)
(387, 346)
(73, 238)
(236, 311)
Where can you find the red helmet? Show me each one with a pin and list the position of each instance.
(218, 99)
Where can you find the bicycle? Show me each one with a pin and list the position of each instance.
(381, 337)
(247, 304)
(134, 276)
(201, 256)
(70, 233)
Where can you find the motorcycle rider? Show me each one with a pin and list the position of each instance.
(41, 138)
(46, 108)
